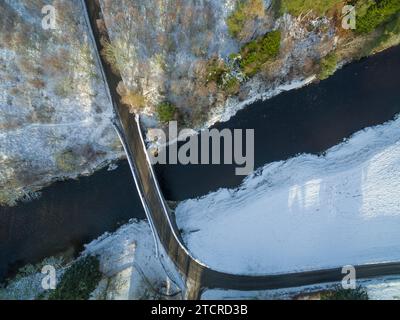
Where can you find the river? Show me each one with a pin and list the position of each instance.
(308, 120)
(66, 216)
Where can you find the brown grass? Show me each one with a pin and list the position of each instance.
(110, 54)
(134, 99)
(28, 68)
(130, 98)
(37, 83)
(57, 62)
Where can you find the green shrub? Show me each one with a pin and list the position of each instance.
(223, 75)
(328, 66)
(216, 70)
(79, 280)
(259, 51)
(377, 14)
(345, 294)
(362, 6)
(296, 7)
(245, 11)
(166, 112)
(231, 85)
(390, 35)
(66, 160)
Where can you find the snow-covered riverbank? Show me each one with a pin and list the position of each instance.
(131, 270)
(128, 262)
(54, 112)
(305, 213)
(384, 288)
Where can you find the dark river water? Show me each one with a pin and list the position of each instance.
(312, 119)
(68, 215)
(308, 120)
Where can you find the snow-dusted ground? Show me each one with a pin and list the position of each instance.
(132, 271)
(306, 213)
(59, 126)
(385, 288)
(128, 262)
(128, 259)
(168, 47)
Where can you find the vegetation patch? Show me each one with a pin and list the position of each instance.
(216, 70)
(223, 74)
(64, 87)
(252, 56)
(328, 66)
(66, 161)
(297, 7)
(259, 51)
(131, 98)
(37, 83)
(114, 55)
(345, 294)
(245, 11)
(27, 283)
(378, 13)
(58, 62)
(231, 84)
(134, 99)
(166, 111)
(390, 35)
(79, 280)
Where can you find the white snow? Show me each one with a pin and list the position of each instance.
(133, 271)
(129, 261)
(383, 288)
(27, 285)
(39, 125)
(306, 213)
(129, 264)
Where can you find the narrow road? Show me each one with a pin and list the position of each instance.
(197, 275)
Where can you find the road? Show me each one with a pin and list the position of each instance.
(197, 275)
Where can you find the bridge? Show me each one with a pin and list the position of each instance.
(197, 275)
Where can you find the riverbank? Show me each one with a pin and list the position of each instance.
(54, 111)
(64, 111)
(66, 216)
(307, 120)
(127, 261)
(131, 271)
(306, 213)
